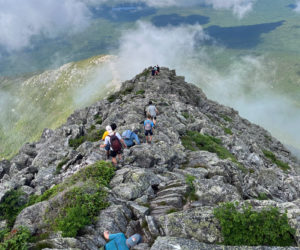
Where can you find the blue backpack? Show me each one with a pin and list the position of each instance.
(126, 134)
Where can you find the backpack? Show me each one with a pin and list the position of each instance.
(115, 143)
(127, 134)
(148, 125)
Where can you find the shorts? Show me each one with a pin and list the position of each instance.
(148, 132)
(114, 153)
(107, 147)
(153, 118)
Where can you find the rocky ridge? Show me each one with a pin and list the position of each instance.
(149, 191)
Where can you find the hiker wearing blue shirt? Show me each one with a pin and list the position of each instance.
(148, 125)
(129, 137)
(118, 241)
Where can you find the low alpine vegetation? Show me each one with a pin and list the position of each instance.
(272, 157)
(92, 135)
(265, 228)
(12, 204)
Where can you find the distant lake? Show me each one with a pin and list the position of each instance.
(241, 37)
(122, 12)
(176, 20)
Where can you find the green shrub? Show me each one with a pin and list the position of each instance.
(112, 97)
(266, 228)
(12, 204)
(16, 240)
(196, 141)
(3, 233)
(76, 142)
(81, 204)
(191, 195)
(272, 157)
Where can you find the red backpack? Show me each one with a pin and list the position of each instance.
(115, 143)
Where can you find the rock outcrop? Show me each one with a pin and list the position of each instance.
(150, 192)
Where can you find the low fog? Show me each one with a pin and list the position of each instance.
(21, 22)
(247, 85)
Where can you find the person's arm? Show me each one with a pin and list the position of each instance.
(106, 141)
(121, 140)
(136, 138)
(156, 111)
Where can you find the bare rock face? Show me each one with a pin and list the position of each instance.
(150, 192)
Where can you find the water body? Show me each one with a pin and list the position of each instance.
(176, 20)
(122, 12)
(292, 6)
(241, 37)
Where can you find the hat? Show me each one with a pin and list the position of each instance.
(109, 130)
(133, 240)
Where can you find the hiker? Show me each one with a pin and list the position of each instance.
(115, 141)
(107, 147)
(153, 71)
(158, 69)
(148, 125)
(119, 241)
(152, 110)
(129, 137)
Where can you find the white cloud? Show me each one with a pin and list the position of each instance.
(297, 9)
(245, 85)
(239, 7)
(21, 20)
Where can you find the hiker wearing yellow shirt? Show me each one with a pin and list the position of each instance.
(107, 147)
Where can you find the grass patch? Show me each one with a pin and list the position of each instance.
(262, 196)
(172, 210)
(118, 94)
(227, 131)
(272, 157)
(12, 204)
(60, 165)
(250, 228)
(195, 141)
(226, 118)
(112, 97)
(185, 115)
(140, 92)
(92, 135)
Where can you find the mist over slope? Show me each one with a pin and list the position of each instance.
(46, 100)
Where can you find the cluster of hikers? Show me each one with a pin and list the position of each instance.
(155, 70)
(114, 142)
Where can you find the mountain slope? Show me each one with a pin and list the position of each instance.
(202, 154)
(47, 99)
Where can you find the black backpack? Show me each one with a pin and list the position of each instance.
(115, 143)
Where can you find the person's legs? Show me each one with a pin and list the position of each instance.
(151, 133)
(113, 154)
(114, 161)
